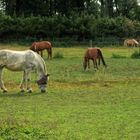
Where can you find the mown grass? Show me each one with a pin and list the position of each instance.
(78, 105)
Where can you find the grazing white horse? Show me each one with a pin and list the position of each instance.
(131, 42)
(25, 61)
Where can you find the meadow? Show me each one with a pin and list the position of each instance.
(78, 104)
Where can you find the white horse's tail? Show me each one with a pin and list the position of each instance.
(136, 42)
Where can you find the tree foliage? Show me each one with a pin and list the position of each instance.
(78, 19)
(103, 8)
(78, 27)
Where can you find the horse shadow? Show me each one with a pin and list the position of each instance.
(19, 94)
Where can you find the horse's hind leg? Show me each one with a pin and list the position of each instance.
(1, 82)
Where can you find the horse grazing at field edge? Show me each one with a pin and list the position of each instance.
(94, 54)
(42, 45)
(131, 42)
(25, 61)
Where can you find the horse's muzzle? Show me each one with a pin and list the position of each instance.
(43, 88)
(43, 91)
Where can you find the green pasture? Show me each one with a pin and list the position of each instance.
(79, 105)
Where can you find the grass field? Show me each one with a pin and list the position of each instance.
(79, 105)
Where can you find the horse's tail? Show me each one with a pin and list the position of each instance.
(136, 42)
(51, 51)
(101, 56)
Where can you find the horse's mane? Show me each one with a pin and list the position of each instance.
(44, 65)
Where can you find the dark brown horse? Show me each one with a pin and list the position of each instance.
(40, 46)
(94, 54)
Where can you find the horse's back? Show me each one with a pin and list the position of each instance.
(16, 55)
(130, 42)
(17, 60)
(91, 53)
(42, 45)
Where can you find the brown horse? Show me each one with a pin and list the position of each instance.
(131, 42)
(94, 54)
(40, 46)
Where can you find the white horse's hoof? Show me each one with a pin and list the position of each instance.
(22, 91)
(5, 90)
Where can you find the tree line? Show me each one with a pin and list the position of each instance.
(72, 19)
(75, 27)
(98, 8)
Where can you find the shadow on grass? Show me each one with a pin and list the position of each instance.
(19, 94)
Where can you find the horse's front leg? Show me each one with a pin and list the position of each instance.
(48, 53)
(37, 52)
(29, 89)
(41, 53)
(1, 82)
(26, 80)
(88, 64)
(95, 63)
(23, 82)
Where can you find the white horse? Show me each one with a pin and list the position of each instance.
(25, 61)
(131, 42)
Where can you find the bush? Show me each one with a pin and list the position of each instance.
(58, 55)
(136, 55)
(77, 28)
(117, 56)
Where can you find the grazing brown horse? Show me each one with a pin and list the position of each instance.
(94, 54)
(131, 42)
(40, 46)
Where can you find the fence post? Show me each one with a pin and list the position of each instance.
(90, 43)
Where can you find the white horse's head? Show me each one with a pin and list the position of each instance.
(42, 83)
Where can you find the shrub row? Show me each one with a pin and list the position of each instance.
(77, 28)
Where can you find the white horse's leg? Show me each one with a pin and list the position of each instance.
(29, 89)
(23, 82)
(1, 82)
(26, 80)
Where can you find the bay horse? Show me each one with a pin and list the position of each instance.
(42, 45)
(131, 42)
(93, 54)
(25, 61)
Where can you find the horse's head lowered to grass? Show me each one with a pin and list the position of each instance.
(131, 42)
(93, 54)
